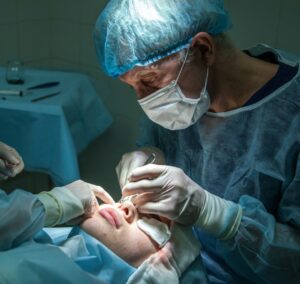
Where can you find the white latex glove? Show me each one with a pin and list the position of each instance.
(135, 159)
(11, 163)
(170, 261)
(72, 203)
(169, 192)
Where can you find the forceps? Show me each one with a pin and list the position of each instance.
(150, 160)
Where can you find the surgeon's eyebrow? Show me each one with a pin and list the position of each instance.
(147, 74)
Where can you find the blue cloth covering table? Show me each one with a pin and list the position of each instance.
(50, 133)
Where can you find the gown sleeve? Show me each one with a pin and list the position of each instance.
(266, 248)
(22, 216)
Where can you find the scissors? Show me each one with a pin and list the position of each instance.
(150, 160)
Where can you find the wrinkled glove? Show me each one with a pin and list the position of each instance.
(168, 264)
(11, 163)
(72, 203)
(169, 192)
(132, 160)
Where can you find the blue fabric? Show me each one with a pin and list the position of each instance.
(19, 223)
(50, 133)
(44, 260)
(30, 254)
(250, 156)
(102, 262)
(284, 74)
(37, 263)
(131, 33)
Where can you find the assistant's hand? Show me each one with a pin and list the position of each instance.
(11, 163)
(135, 159)
(72, 203)
(87, 193)
(166, 191)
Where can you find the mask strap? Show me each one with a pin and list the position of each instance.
(206, 79)
(185, 58)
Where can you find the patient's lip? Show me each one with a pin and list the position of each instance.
(111, 216)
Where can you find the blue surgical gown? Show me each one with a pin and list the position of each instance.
(32, 254)
(251, 156)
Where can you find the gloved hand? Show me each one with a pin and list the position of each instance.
(169, 192)
(72, 203)
(11, 163)
(135, 159)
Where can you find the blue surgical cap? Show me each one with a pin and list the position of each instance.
(131, 33)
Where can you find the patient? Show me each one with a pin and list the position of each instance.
(152, 244)
(116, 245)
(116, 227)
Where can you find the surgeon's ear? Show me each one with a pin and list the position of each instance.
(204, 44)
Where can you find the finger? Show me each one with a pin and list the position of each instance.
(118, 170)
(143, 198)
(10, 155)
(101, 193)
(92, 208)
(153, 208)
(2, 165)
(16, 169)
(150, 171)
(123, 172)
(3, 176)
(4, 170)
(15, 153)
(144, 185)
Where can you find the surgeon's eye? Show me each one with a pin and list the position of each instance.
(149, 82)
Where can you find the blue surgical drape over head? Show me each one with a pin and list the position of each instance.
(131, 33)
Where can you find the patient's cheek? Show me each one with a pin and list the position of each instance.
(89, 226)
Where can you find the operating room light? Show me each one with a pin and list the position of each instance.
(147, 12)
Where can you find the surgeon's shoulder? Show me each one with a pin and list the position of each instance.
(290, 92)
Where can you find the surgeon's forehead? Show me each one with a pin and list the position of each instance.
(157, 66)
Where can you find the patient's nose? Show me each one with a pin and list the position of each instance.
(129, 211)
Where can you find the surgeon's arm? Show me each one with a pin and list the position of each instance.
(266, 248)
(22, 216)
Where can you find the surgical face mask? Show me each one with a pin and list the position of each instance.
(171, 109)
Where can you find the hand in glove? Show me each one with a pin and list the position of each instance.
(72, 203)
(169, 192)
(132, 160)
(11, 162)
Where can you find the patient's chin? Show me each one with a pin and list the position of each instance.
(90, 227)
(134, 261)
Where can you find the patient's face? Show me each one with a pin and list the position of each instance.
(116, 227)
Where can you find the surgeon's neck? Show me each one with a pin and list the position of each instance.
(235, 78)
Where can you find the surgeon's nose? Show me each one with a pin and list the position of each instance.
(129, 211)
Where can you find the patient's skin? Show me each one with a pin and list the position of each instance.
(115, 226)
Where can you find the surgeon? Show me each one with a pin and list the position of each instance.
(226, 121)
(23, 214)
